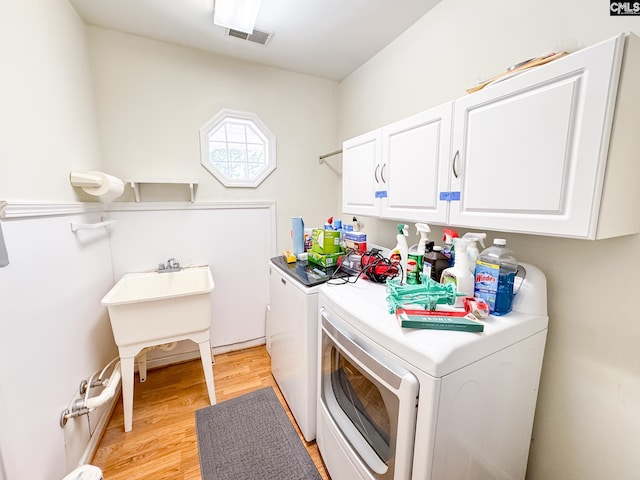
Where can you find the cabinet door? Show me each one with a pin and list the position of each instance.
(415, 166)
(530, 152)
(361, 174)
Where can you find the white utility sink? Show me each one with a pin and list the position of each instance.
(150, 309)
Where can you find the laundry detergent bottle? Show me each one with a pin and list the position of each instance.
(495, 275)
(459, 274)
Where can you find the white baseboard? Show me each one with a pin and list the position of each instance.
(98, 432)
(238, 346)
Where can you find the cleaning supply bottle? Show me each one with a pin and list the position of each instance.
(400, 252)
(459, 274)
(494, 277)
(423, 230)
(415, 258)
(449, 248)
(472, 250)
(434, 262)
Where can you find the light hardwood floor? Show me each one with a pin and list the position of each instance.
(163, 444)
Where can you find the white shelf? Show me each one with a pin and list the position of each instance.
(135, 185)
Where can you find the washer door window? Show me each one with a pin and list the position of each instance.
(370, 398)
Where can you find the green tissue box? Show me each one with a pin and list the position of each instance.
(325, 242)
(329, 260)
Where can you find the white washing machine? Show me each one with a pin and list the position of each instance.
(398, 403)
(292, 336)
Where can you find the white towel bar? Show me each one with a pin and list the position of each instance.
(75, 226)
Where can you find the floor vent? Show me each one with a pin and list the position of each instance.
(256, 37)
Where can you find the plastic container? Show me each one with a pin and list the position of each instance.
(472, 251)
(459, 274)
(400, 252)
(449, 247)
(495, 275)
(434, 263)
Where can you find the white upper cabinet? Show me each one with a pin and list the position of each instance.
(416, 153)
(361, 174)
(552, 150)
(398, 171)
(530, 153)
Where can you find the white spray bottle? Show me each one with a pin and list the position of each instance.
(459, 274)
(472, 250)
(423, 230)
(400, 252)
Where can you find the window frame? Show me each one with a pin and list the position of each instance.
(218, 121)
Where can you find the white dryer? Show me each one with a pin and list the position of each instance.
(400, 403)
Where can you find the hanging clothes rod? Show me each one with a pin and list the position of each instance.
(322, 157)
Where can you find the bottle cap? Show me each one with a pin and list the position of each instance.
(499, 241)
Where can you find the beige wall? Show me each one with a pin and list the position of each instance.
(153, 97)
(47, 119)
(587, 423)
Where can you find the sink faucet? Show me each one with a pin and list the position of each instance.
(171, 266)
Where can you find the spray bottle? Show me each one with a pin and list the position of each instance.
(459, 274)
(415, 258)
(423, 230)
(472, 250)
(449, 246)
(400, 252)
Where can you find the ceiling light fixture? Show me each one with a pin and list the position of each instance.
(236, 14)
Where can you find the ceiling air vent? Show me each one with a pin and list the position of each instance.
(256, 37)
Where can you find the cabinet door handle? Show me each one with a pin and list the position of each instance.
(284, 282)
(382, 173)
(455, 161)
(375, 174)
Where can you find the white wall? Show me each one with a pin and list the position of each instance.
(153, 97)
(587, 423)
(53, 332)
(47, 118)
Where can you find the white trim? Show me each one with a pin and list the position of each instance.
(47, 209)
(238, 346)
(155, 206)
(96, 437)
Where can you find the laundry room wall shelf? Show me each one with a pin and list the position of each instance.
(136, 184)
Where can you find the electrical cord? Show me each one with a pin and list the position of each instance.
(378, 268)
(343, 279)
(374, 266)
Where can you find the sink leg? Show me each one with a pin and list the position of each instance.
(126, 366)
(205, 355)
(142, 365)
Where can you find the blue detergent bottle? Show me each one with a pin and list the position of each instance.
(495, 275)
